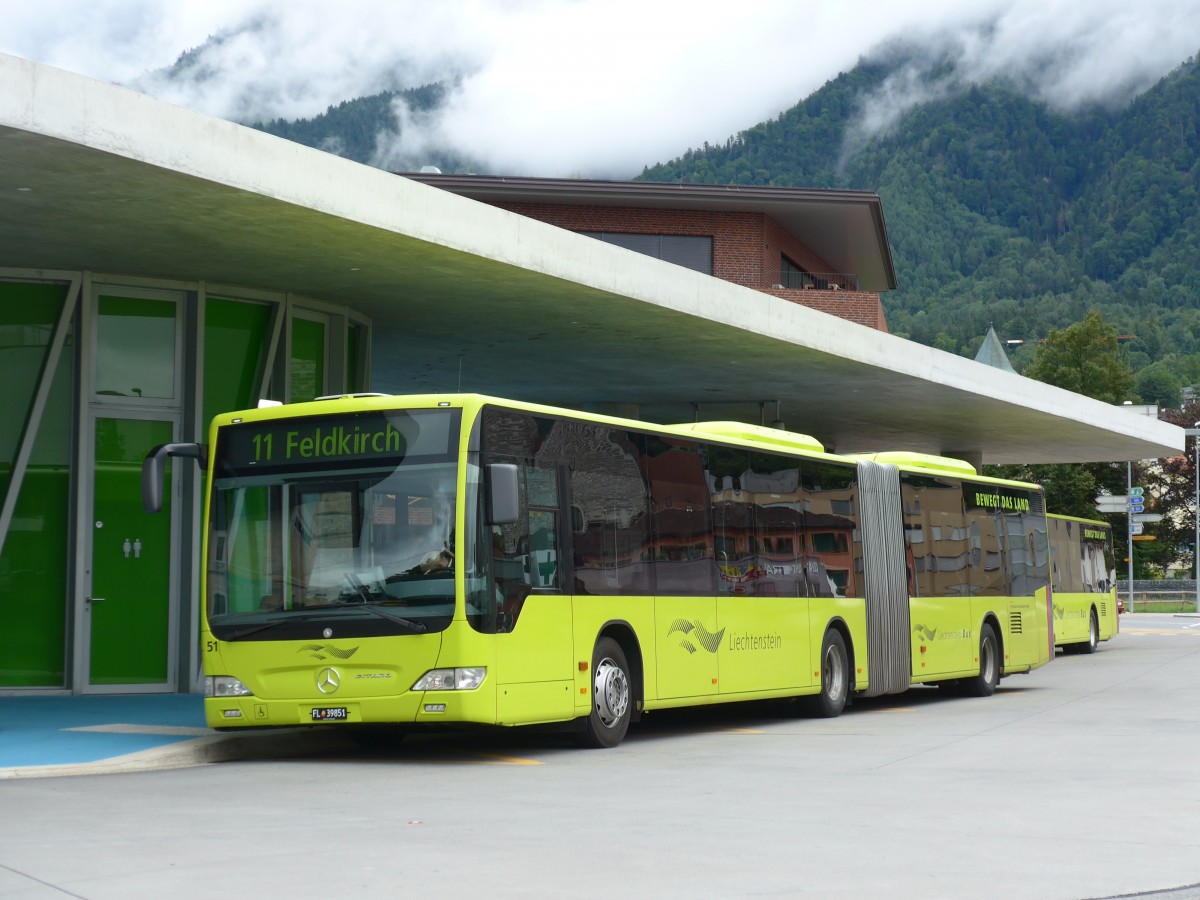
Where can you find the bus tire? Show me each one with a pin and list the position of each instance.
(1093, 639)
(612, 697)
(984, 684)
(835, 678)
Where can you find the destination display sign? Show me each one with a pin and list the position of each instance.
(996, 497)
(327, 441)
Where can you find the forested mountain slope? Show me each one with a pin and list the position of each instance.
(1002, 210)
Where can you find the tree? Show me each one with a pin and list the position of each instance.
(1171, 484)
(1084, 358)
(1158, 384)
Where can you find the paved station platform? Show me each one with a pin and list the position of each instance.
(55, 735)
(62, 735)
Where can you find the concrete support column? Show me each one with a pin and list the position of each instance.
(974, 457)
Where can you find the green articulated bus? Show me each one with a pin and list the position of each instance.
(423, 560)
(1083, 583)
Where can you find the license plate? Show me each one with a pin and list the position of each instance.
(329, 713)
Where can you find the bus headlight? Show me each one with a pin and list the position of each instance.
(451, 679)
(224, 686)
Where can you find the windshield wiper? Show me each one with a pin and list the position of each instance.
(331, 609)
(392, 617)
(238, 633)
(316, 614)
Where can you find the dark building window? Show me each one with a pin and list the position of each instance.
(690, 251)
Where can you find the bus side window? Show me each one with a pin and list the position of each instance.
(610, 537)
(830, 495)
(681, 517)
(541, 501)
(542, 559)
(525, 552)
(777, 541)
(986, 530)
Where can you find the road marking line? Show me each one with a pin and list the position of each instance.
(1155, 631)
(497, 759)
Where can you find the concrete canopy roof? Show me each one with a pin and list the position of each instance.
(464, 295)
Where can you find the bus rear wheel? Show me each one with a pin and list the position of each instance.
(612, 697)
(835, 679)
(1093, 641)
(984, 684)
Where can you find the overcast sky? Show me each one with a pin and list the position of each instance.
(593, 87)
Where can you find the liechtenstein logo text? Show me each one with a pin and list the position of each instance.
(695, 631)
(932, 634)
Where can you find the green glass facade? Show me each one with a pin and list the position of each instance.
(235, 346)
(135, 348)
(307, 367)
(34, 555)
(96, 595)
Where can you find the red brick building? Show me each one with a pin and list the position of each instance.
(824, 249)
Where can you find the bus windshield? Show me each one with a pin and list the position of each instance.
(359, 542)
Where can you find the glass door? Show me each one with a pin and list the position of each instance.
(129, 608)
(130, 583)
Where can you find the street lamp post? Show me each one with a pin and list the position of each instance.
(1195, 433)
(1129, 531)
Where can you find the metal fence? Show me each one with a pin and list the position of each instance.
(1158, 596)
(820, 281)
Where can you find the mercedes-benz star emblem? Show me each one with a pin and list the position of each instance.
(328, 680)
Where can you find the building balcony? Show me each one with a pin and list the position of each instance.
(835, 293)
(816, 281)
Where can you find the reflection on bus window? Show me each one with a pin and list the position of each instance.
(386, 539)
(611, 536)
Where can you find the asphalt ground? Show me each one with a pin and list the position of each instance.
(1076, 781)
(55, 735)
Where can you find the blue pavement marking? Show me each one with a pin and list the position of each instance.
(64, 730)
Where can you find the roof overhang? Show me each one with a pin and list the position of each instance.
(844, 228)
(467, 296)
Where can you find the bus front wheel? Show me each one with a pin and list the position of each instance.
(612, 697)
(984, 684)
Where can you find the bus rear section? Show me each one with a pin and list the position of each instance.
(1083, 578)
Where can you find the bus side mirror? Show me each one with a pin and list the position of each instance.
(503, 502)
(154, 467)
